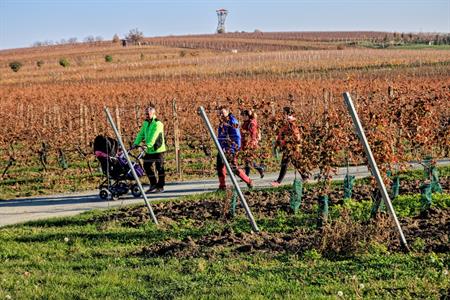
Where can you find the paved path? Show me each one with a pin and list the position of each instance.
(42, 207)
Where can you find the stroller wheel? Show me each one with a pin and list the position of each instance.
(115, 196)
(104, 194)
(135, 191)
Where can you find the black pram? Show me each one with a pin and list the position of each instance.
(119, 178)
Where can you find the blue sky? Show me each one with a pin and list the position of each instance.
(23, 22)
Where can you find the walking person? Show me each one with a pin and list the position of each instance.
(288, 140)
(229, 137)
(250, 142)
(152, 132)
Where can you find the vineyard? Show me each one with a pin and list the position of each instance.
(50, 113)
(52, 103)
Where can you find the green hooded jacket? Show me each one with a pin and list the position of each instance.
(152, 132)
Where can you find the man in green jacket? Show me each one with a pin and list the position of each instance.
(152, 132)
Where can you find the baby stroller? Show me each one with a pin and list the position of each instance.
(119, 179)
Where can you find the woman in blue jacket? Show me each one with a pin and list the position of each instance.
(229, 137)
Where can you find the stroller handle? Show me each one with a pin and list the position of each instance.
(141, 153)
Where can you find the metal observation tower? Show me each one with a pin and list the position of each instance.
(221, 16)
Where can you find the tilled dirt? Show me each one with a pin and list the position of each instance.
(342, 237)
(433, 228)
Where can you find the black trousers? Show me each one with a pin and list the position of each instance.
(284, 166)
(157, 160)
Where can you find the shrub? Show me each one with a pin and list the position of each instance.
(39, 63)
(182, 53)
(116, 38)
(64, 62)
(15, 66)
(312, 255)
(418, 245)
(108, 58)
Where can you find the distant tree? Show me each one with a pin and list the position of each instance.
(98, 38)
(108, 58)
(72, 40)
(89, 39)
(135, 36)
(15, 66)
(447, 39)
(38, 44)
(395, 36)
(116, 38)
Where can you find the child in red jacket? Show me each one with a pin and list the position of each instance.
(250, 142)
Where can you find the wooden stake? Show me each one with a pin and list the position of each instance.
(118, 123)
(176, 136)
(81, 124)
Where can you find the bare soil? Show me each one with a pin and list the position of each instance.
(342, 237)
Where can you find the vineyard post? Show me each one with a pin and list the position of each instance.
(117, 111)
(373, 164)
(21, 113)
(130, 164)
(44, 117)
(58, 117)
(28, 116)
(86, 125)
(202, 113)
(94, 118)
(137, 110)
(81, 124)
(176, 136)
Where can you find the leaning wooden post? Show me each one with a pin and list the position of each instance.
(373, 165)
(176, 136)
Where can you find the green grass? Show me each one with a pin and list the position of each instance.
(405, 46)
(99, 260)
(420, 46)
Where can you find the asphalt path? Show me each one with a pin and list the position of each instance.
(21, 210)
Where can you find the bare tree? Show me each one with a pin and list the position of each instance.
(89, 39)
(135, 36)
(72, 40)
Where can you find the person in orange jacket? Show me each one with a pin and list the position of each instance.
(287, 141)
(250, 142)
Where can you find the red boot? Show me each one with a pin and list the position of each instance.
(222, 183)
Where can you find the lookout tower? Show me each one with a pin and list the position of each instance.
(221, 16)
